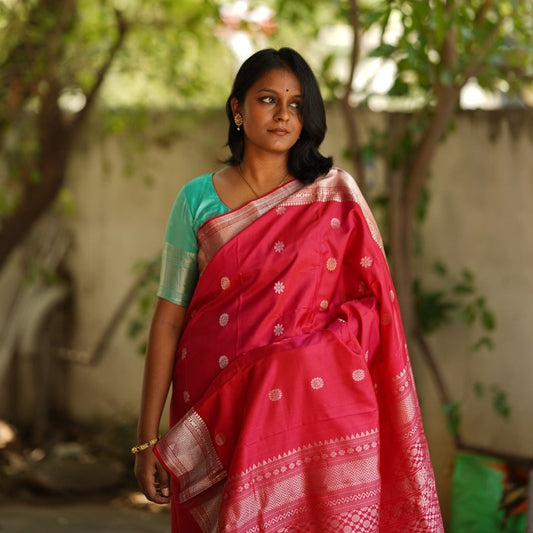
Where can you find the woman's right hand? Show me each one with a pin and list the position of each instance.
(153, 479)
(158, 370)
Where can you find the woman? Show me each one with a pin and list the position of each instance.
(293, 405)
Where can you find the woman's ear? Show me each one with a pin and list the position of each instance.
(234, 103)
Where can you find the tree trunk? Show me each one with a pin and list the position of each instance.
(45, 173)
(401, 248)
(49, 166)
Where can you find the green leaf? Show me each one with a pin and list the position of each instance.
(370, 16)
(480, 302)
(64, 203)
(433, 309)
(142, 348)
(383, 50)
(479, 389)
(145, 304)
(423, 205)
(440, 268)
(467, 275)
(499, 402)
(452, 411)
(380, 201)
(468, 313)
(399, 88)
(463, 288)
(347, 153)
(483, 342)
(488, 320)
(135, 327)
(368, 152)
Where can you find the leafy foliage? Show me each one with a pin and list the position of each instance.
(147, 273)
(173, 56)
(59, 59)
(458, 299)
(452, 412)
(430, 51)
(498, 397)
(438, 43)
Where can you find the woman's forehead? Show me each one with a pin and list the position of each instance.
(278, 80)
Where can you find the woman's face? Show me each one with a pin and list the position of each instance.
(271, 112)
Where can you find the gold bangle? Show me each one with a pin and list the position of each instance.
(144, 446)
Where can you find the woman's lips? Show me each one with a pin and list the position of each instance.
(279, 131)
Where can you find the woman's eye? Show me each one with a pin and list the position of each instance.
(267, 99)
(296, 105)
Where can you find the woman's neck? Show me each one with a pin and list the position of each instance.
(264, 173)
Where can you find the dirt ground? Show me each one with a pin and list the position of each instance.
(123, 510)
(73, 493)
(81, 518)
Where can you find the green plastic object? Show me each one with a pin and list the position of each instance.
(488, 496)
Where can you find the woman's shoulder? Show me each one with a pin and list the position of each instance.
(341, 179)
(339, 176)
(197, 185)
(196, 190)
(201, 198)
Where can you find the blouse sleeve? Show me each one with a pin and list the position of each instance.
(179, 266)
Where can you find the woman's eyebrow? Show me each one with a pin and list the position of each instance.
(273, 91)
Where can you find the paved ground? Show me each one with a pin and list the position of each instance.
(81, 518)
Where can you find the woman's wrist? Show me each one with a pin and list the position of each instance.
(144, 434)
(145, 445)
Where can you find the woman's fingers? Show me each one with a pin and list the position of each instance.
(164, 481)
(152, 477)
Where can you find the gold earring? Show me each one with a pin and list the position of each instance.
(238, 121)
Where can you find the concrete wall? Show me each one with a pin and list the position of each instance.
(119, 221)
(480, 217)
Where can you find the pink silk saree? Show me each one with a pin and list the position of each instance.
(294, 407)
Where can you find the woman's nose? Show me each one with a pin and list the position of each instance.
(282, 112)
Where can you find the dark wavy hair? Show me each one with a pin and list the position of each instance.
(305, 163)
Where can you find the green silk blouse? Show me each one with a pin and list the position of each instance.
(196, 203)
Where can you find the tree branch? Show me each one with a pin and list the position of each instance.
(44, 173)
(94, 356)
(54, 136)
(419, 171)
(29, 61)
(477, 65)
(442, 390)
(350, 120)
(481, 12)
(447, 98)
(122, 28)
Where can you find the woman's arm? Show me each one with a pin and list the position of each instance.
(159, 366)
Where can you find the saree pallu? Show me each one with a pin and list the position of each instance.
(294, 407)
